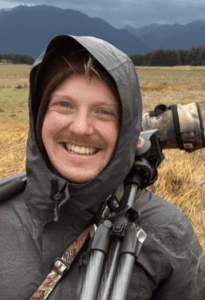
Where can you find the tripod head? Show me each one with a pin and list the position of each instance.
(148, 157)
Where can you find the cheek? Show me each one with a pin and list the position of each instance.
(116, 133)
(51, 125)
(110, 133)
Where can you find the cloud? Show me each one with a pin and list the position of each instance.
(122, 12)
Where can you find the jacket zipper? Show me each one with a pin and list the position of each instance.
(56, 198)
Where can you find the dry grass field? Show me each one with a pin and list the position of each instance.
(179, 174)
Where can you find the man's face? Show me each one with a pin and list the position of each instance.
(81, 127)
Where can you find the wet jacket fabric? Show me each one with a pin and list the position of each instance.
(30, 239)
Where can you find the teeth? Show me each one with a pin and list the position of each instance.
(81, 150)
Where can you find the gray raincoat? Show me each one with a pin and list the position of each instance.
(30, 240)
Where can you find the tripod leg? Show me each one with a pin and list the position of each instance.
(109, 271)
(99, 249)
(122, 278)
(129, 253)
(92, 278)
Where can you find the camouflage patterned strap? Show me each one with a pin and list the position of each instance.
(61, 266)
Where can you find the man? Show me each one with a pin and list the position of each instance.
(85, 119)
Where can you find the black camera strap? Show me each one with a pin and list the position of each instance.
(177, 127)
(160, 109)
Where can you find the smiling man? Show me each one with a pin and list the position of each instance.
(81, 127)
(85, 114)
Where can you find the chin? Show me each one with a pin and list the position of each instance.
(78, 180)
(72, 179)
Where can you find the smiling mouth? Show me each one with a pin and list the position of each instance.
(71, 151)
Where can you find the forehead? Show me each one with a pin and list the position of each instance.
(78, 84)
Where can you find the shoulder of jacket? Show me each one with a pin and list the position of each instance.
(12, 185)
(159, 211)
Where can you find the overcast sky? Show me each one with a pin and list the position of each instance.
(119, 13)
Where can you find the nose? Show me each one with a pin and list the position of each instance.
(81, 124)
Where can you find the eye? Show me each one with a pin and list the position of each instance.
(64, 103)
(105, 112)
(63, 106)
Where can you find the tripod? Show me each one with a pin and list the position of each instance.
(119, 239)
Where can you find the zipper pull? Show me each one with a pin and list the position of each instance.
(56, 199)
(56, 211)
(56, 195)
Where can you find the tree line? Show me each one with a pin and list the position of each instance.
(164, 57)
(14, 58)
(161, 57)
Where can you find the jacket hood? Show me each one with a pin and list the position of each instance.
(46, 190)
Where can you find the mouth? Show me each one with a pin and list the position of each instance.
(80, 150)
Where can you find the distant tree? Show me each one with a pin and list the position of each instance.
(153, 58)
(182, 54)
(196, 61)
(133, 57)
(190, 57)
(172, 58)
(30, 60)
(137, 59)
(201, 55)
(158, 58)
(12, 57)
(17, 58)
(23, 59)
(195, 56)
(146, 59)
(178, 58)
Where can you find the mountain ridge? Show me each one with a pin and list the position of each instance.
(175, 36)
(30, 29)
